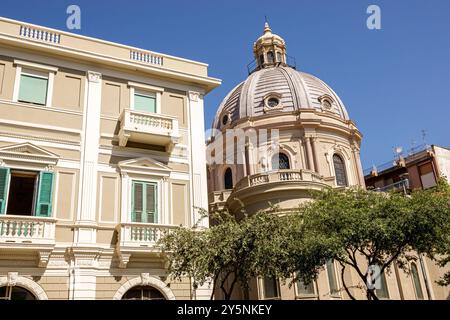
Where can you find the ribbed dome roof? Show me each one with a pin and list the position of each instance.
(293, 89)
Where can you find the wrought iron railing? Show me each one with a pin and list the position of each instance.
(254, 66)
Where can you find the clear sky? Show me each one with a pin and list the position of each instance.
(394, 81)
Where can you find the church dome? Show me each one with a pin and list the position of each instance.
(276, 87)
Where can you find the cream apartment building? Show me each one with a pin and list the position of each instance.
(101, 151)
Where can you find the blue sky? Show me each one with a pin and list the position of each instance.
(394, 81)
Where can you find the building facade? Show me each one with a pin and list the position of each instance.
(278, 135)
(100, 153)
(419, 169)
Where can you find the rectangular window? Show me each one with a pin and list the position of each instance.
(26, 193)
(332, 280)
(144, 202)
(271, 288)
(145, 102)
(305, 289)
(427, 175)
(33, 87)
(382, 293)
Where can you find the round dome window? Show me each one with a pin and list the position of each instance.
(273, 102)
(225, 119)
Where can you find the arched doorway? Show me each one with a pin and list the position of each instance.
(143, 293)
(15, 293)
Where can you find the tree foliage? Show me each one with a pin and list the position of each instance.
(232, 251)
(356, 228)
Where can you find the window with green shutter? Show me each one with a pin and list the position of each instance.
(144, 202)
(33, 88)
(145, 102)
(45, 191)
(4, 179)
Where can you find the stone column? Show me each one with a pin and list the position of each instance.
(309, 154)
(197, 157)
(314, 151)
(85, 232)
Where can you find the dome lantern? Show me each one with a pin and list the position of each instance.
(269, 49)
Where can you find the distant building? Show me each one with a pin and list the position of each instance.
(419, 169)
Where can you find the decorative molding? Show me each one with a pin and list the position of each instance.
(150, 280)
(27, 152)
(44, 256)
(12, 278)
(145, 166)
(94, 76)
(194, 96)
(145, 86)
(28, 284)
(35, 66)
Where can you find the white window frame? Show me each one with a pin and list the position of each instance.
(145, 89)
(39, 68)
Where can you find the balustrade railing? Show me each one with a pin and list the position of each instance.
(26, 229)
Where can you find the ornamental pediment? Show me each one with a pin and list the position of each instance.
(144, 166)
(28, 152)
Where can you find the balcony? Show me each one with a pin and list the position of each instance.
(218, 199)
(148, 128)
(28, 234)
(285, 188)
(139, 239)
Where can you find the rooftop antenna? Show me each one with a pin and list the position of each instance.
(424, 136)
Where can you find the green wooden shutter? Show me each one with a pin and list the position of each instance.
(45, 191)
(150, 203)
(4, 181)
(33, 89)
(137, 202)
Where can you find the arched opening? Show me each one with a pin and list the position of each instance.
(270, 57)
(416, 281)
(15, 293)
(143, 293)
(228, 179)
(280, 161)
(339, 171)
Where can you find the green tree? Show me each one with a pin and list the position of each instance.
(231, 252)
(358, 228)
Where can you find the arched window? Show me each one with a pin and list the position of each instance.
(280, 161)
(270, 57)
(382, 292)
(143, 293)
(279, 57)
(416, 280)
(228, 179)
(339, 171)
(15, 293)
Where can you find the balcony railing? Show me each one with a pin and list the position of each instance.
(141, 234)
(402, 185)
(26, 230)
(254, 66)
(148, 128)
(286, 175)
